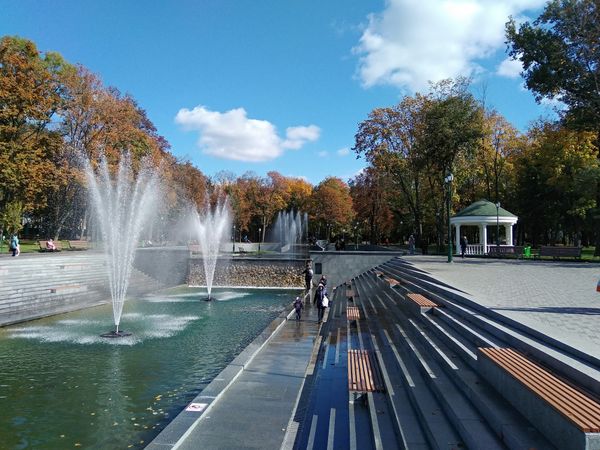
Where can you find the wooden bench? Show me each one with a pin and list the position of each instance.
(364, 373)
(353, 313)
(79, 244)
(566, 415)
(560, 252)
(419, 303)
(43, 247)
(67, 289)
(506, 250)
(393, 282)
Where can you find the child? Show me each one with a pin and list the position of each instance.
(298, 305)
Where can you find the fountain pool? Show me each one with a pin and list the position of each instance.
(63, 386)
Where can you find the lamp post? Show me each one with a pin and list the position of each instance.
(233, 240)
(497, 224)
(356, 236)
(448, 181)
(259, 238)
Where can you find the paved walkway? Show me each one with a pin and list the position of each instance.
(558, 299)
(254, 412)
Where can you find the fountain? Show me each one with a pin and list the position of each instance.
(289, 228)
(212, 229)
(122, 206)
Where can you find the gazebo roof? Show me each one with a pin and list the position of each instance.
(483, 208)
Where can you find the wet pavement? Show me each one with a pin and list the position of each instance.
(253, 413)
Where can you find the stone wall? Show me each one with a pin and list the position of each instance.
(258, 272)
(339, 267)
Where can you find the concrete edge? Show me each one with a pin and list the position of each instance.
(292, 427)
(184, 423)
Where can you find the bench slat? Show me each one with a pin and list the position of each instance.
(582, 410)
(353, 313)
(421, 300)
(547, 387)
(562, 395)
(364, 374)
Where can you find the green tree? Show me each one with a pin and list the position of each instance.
(560, 53)
(556, 175)
(561, 58)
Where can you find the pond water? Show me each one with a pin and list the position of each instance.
(62, 386)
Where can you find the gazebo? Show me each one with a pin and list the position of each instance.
(482, 214)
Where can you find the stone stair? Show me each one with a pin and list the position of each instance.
(42, 285)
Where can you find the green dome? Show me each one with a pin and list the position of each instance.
(483, 208)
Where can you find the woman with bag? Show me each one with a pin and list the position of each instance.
(322, 301)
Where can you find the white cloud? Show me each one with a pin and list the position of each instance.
(323, 154)
(510, 68)
(343, 151)
(413, 42)
(232, 135)
(298, 136)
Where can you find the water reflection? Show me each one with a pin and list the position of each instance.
(62, 386)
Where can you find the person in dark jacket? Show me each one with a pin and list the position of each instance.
(298, 306)
(463, 246)
(308, 276)
(319, 300)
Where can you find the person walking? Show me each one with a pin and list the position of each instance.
(298, 306)
(14, 245)
(463, 246)
(411, 244)
(320, 297)
(308, 276)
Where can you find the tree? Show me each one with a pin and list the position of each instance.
(389, 139)
(560, 57)
(331, 205)
(30, 96)
(561, 61)
(500, 141)
(556, 175)
(370, 191)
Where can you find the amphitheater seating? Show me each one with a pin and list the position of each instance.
(364, 374)
(353, 313)
(571, 418)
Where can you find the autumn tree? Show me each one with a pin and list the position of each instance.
(389, 139)
(331, 206)
(371, 198)
(30, 96)
(500, 141)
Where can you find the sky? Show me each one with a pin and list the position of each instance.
(280, 84)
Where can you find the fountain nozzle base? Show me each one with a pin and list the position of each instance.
(116, 334)
(207, 299)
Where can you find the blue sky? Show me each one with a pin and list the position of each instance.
(279, 85)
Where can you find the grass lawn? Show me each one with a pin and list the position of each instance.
(29, 246)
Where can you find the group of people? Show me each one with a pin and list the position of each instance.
(321, 299)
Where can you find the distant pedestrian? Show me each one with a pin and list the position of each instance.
(463, 246)
(298, 306)
(411, 244)
(320, 297)
(15, 247)
(308, 276)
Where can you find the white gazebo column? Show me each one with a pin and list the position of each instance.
(483, 228)
(457, 241)
(508, 233)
